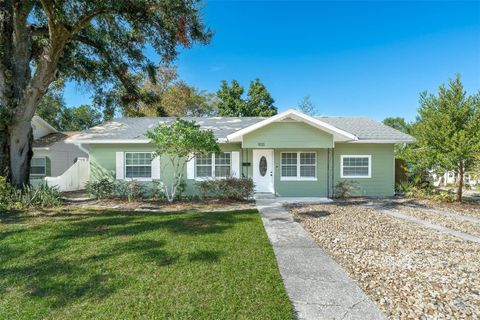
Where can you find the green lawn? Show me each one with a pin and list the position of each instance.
(114, 264)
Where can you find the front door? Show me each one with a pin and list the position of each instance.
(263, 170)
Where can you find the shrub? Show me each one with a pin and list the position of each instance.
(229, 188)
(444, 196)
(128, 190)
(345, 189)
(41, 196)
(102, 189)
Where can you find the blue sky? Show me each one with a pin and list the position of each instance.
(352, 58)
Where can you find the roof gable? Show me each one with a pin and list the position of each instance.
(292, 114)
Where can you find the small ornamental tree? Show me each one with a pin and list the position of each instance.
(178, 143)
(448, 131)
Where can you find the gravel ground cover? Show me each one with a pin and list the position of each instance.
(410, 271)
(466, 208)
(440, 219)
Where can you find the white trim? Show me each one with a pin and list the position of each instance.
(136, 165)
(40, 148)
(356, 156)
(298, 177)
(256, 163)
(73, 140)
(44, 123)
(382, 141)
(102, 141)
(341, 135)
(212, 177)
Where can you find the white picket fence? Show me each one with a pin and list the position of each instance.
(73, 179)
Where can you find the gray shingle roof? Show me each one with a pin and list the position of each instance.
(134, 128)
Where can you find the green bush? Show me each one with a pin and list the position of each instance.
(229, 188)
(345, 189)
(41, 196)
(102, 189)
(444, 196)
(129, 190)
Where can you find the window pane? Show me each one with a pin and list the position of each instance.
(289, 158)
(38, 162)
(138, 172)
(289, 171)
(355, 166)
(203, 159)
(307, 158)
(222, 171)
(307, 171)
(138, 165)
(37, 170)
(204, 171)
(222, 158)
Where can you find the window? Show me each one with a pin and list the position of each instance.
(213, 165)
(138, 165)
(38, 167)
(299, 166)
(355, 166)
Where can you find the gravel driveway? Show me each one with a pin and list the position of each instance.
(410, 271)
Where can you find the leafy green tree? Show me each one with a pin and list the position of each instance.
(179, 142)
(84, 117)
(96, 43)
(230, 101)
(173, 97)
(260, 103)
(307, 106)
(398, 123)
(448, 131)
(52, 104)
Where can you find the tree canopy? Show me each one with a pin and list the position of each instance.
(398, 123)
(179, 142)
(259, 102)
(99, 44)
(447, 131)
(307, 106)
(173, 97)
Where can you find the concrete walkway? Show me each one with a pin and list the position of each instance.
(317, 286)
(442, 229)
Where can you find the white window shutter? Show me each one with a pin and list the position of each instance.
(235, 164)
(191, 169)
(119, 166)
(156, 168)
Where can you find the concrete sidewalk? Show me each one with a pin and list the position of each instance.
(317, 286)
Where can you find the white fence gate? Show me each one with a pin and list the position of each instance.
(73, 179)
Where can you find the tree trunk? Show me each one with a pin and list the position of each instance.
(461, 172)
(20, 152)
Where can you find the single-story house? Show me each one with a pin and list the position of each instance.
(52, 157)
(290, 154)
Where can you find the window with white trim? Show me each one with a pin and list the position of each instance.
(298, 166)
(38, 166)
(356, 166)
(138, 165)
(213, 165)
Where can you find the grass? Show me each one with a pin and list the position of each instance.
(120, 264)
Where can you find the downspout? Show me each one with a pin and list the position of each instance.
(333, 172)
(328, 173)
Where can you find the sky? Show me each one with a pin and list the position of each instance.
(352, 58)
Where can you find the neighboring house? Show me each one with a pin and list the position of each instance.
(52, 157)
(289, 154)
(449, 178)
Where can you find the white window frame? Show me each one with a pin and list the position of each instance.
(44, 168)
(134, 165)
(298, 177)
(212, 168)
(356, 156)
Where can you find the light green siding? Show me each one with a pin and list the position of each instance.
(103, 157)
(316, 188)
(288, 135)
(382, 181)
(103, 162)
